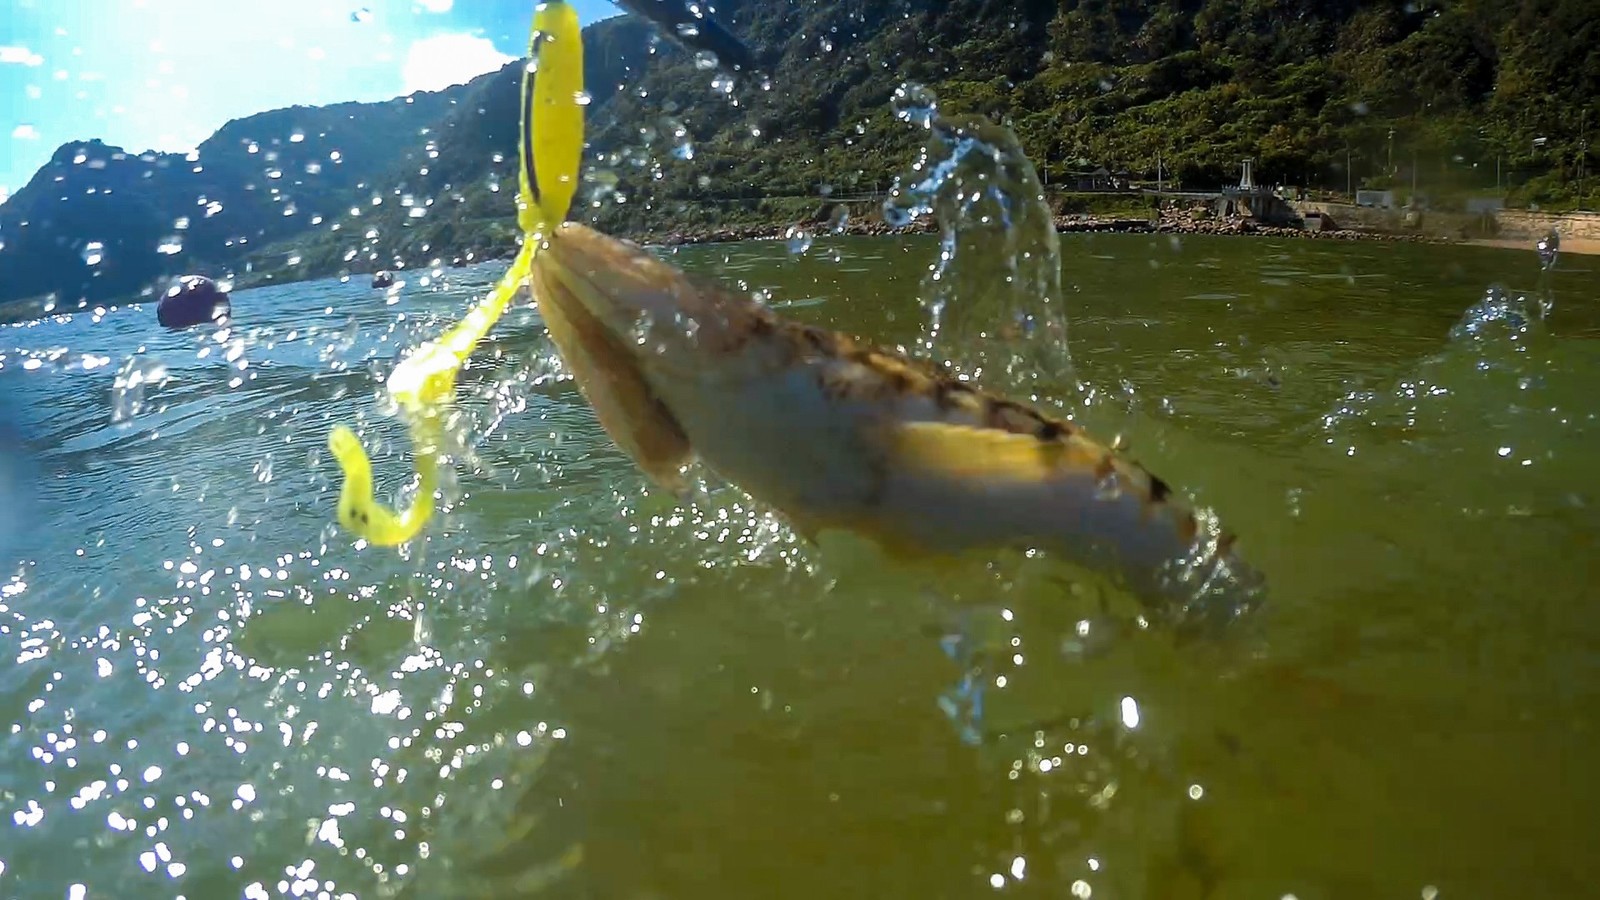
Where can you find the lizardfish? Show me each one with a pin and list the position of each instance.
(836, 434)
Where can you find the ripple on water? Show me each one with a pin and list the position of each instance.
(210, 692)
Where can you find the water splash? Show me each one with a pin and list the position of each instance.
(799, 240)
(838, 218)
(1549, 249)
(1498, 316)
(128, 387)
(993, 296)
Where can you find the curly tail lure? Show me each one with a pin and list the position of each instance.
(550, 148)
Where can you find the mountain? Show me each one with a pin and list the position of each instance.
(97, 222)
(1457, 92)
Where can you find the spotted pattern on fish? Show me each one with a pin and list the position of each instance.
(879, 374)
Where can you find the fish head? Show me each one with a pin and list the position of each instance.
(628, 309)
(634, 331)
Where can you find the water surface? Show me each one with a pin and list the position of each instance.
(579, 686)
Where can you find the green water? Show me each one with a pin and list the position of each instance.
(579, 687)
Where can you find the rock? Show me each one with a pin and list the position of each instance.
(193, 300)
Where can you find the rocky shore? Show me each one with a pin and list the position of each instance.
(1174, 219)
(1170, 221)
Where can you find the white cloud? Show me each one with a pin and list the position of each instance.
(440, 61)
(25, 132)
(20, 56)
(436, 6)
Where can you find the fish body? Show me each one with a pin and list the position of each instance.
(837, 434)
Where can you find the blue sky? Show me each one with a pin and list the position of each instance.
(164, 74)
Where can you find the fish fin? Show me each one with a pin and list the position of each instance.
(637, 421)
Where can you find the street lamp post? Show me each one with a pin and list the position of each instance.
(1583, 170)
(1583, 156)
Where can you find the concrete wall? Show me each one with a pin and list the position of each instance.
(1505, 223)
(1524, 224)
(1402, 221)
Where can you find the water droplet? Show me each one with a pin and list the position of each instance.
(1130, 712)
(705, 60)
(604, 183)
(128, 387)
(361, 16)
(1549, 248)
(93, 253)
(170, 245)
(898, 215)
(799, 239)
(915, 104)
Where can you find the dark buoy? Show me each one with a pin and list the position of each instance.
(382, 279)
(193, 300)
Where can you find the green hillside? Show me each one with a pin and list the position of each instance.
(1455, 93)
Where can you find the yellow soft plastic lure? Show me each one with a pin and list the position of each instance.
(550, 148)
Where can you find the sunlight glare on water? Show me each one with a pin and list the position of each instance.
(578, 684)
(243, 698)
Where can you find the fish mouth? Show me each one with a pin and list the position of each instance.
(625, 288)
(593, 292)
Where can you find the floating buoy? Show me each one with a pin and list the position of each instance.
(382, 279)
(193, 300)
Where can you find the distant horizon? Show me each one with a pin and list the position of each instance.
(373, 53)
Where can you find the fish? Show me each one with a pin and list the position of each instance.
(685, 25)
(838, 434)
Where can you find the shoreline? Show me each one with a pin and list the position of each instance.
(1064, 224)
(1170, 222)
(1574, 246)
(29, 309)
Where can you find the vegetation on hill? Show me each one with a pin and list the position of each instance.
(1460, 95)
